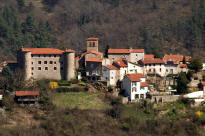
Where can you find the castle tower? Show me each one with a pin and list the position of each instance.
(92, 44)
(27, 64)
(69, 64)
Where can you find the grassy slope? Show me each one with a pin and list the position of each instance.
(80, 100)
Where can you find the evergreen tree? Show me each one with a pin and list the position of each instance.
(182, 82)
(195, 64)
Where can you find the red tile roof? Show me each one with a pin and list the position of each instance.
(124, 51)
(45, 50)
(176, 58)
(203, 83)
(111, 67)
(94, 59)
(88, 52)
(187, 58)
(120, 63)
(149, 56)
(182, 65)
(133, 78)
(92, 39)
(69, 50)
(143, 84)
(27, 93)
(152, 61)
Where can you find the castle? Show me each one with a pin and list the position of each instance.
(46, 63)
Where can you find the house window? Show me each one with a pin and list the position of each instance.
(90, 44)
(171, 71)
(55, 68)
(31, 62)
(150, 65)
(32, 68)
(166, 70)
(61, 63)
(136, 96)
(51, 62)
(93, 44)
(31, 73)
(39, 55)
(150, 70)
(46, 68)
(134, 89)
(39, 62)
(154, 70)
(134, 84)
(160, 69)
(54, 62)
(61, 68)
(131, 70)
(54, 56)
(45, 62)
(141, 96)
(111, 77)
(39, 68)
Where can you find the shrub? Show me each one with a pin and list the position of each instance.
(73, 89)
(74, 81)
(64, 83)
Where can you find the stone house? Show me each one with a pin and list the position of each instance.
(135, 86)
(132, 55)
(1, 68)
(46, 63)
(91, 60)
(153, 67)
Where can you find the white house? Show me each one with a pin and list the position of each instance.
(127, 67)
(135, 86)
(203, 68)
(1, 95)
(110, 74)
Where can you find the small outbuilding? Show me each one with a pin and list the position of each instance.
(27, 97)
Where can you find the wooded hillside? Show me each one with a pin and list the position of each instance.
(166, 26)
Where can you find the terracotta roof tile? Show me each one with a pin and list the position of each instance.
(27, 93)
(124, 51)
(149, 56)
(69, 50)
(143, 84)
(45, 50)
(139, 75)
(94, 59)
(203, 83)
(133, 78)
(120, 63)
(111, 67)
(182, 65)
(92, 39)
(176, 58)
(87, 52)
(153, 61)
